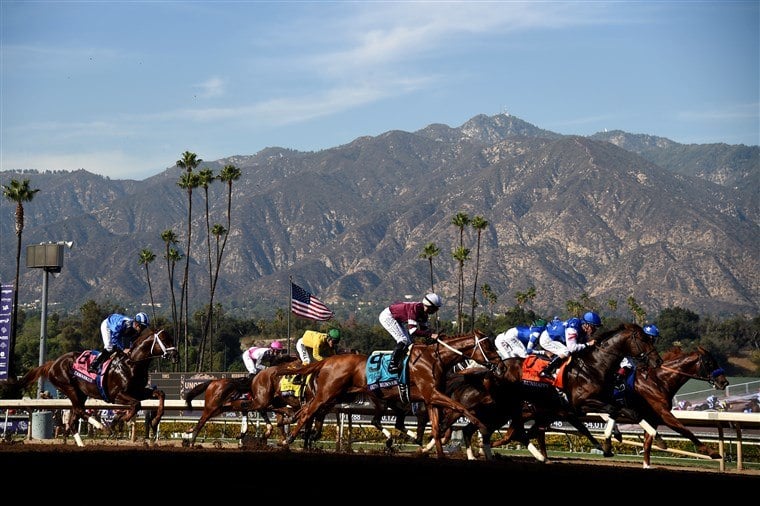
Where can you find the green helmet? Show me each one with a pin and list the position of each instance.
(334, 334)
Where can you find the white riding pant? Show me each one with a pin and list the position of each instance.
(554, 347)
(509, 345)
(304, 352)
(397, 332)
(105, 333)
(252, 367)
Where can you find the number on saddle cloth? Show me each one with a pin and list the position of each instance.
(377, 371)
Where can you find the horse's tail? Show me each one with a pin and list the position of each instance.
(32, 376)
(195, 392)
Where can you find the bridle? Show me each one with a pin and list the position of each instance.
(703, 374)
(157, 343)
(476, 347)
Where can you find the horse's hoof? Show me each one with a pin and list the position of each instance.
(388, 444)
(715, 455)
(608, 454)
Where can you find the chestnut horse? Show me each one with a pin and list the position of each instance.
(261, 394)
(339, 376)
(124, 381)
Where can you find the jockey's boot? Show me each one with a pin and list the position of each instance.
(397, 358)
(619, 382)
(95, 365)
(548, 371)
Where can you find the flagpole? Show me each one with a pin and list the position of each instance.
(290, 307)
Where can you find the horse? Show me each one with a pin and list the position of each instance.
(488, 401)
(580, 388)
(344, 375)
(262, 394)
(124, 380)
(652, 393)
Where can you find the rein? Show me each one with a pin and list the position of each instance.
(477, 345)
(708, 378)
(164, 348)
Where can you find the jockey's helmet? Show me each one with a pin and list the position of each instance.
(276, 345)
(651, 329)
(592, 319)
(142, 319)
(433, 300)
(334, 334)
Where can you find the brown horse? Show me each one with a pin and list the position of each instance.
(345, 375)
(650, 396)
(124, 382)
(582, 383)
(490, 402)
(262, 394)
(653, 392)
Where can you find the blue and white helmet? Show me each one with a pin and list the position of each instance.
(651, 329)
(142, 319)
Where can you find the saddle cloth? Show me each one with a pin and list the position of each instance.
(377, 371)
(532, 367)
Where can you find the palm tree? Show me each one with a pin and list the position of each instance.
(229, 174)
(146, 257)
(205, 178)
(18, 192)
(188, 181)
(461, 254)
(429, 253)
(478, 223)
(460, 220)
(170, 239)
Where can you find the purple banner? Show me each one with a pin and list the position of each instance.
(6, 308)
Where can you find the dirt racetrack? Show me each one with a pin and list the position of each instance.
(232, 472)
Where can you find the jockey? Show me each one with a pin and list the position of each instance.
(118, 331)
(626, 364)
(317, 346)
(405, 321)
(519, 341)
(257, 358)
(564, 338)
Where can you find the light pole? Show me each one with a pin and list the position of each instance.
(49, 257)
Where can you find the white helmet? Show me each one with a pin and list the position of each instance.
(432, 299)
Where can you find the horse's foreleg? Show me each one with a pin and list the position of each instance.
(648, 439)
(161, 396)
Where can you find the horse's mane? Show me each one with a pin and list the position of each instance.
(672, 353)
(631, 327)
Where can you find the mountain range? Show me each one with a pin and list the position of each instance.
(604, 217)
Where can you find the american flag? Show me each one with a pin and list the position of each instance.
(304, 304)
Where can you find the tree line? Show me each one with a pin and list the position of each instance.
(210, 340)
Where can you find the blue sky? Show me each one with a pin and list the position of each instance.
(124, 88)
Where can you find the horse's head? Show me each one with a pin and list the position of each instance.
(150, 344)
(629, 340)
(710, 371)
(475, 348)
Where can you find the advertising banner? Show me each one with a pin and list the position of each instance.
(6, 307)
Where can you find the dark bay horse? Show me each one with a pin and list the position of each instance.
(490, 402)
(261, 394)
(345, 375)
(582, 382)
(653, 392)
(125, 381)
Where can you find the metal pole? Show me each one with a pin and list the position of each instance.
(43, 328)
